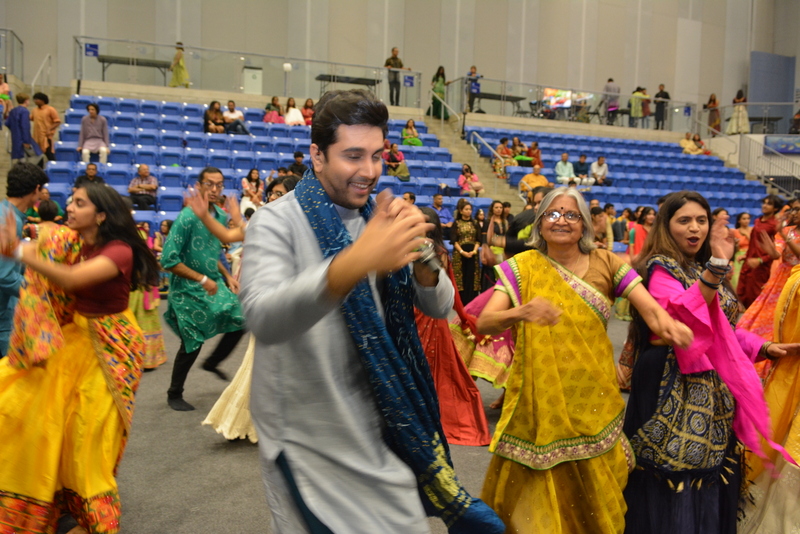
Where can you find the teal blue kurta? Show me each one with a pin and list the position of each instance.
(193, 314)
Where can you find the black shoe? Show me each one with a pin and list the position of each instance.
(213, 369)
(180, 405)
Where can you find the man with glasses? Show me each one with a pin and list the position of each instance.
(202, 294)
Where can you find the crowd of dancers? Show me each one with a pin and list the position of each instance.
(355, 382)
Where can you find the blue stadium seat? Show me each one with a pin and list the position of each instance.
(266, 161)
(171, 176)
(219, 158)
(434, 169)
(440, 154)
(118, 174)
(285, 159)
(388, 182)
(479, 203)
(259, 129)
(125, 120)
(150, 107)
(300, 132)
(74, 116)
(394, 137)
(429, 186)
(81, 101)
(119, 136)
(195, 157)
(145, 155)
(411, 186)
(262, 144)
(69, 133)
(282, 144)
(194, 110)
(166, 216)
(170, 122)
(243, 160)
(128, 105)
(173, 109)
(107, 104)
(253, 114)
(170, 156)
(278, 130)
(515, 174)
(192, 124)
(62, 172)
(59, 193)
(241, 143)
(65, 151)
(452, 170)
(121, 189)
(429, 140)
(147, 137)
(196, 140)
(147, 121)
(146, 216)
(219, 141)
(169, 198)
(416, 168)
(170, 139)
(302, 145)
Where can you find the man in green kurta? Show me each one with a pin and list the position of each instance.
(200, 304)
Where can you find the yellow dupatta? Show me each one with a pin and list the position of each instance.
(562, 400)
(782, 389)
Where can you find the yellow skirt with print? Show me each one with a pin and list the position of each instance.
(61, 437)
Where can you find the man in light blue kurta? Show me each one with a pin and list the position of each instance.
(325, 463)
(23, 185)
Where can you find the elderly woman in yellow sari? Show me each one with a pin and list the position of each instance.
(561, 460)
(75, 359)
(773, 509)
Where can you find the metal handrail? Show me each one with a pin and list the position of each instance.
(46, 61)
(754, 161)
(472, 135)
(718, 135)
(447, 106)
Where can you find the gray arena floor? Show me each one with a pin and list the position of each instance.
(178, 477)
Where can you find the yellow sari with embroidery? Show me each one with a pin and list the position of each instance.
(773, 509)
(561, 460)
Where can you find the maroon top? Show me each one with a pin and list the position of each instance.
(110, 296)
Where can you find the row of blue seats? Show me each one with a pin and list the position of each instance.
(111, 105)
(527, 136)
(649, 197)
(421, 186)
(71, 130)
(727, 180)
(60, 173)
(193, 157)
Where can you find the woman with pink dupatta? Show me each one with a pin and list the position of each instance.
(693, 411)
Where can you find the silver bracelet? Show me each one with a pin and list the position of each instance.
(203, 280)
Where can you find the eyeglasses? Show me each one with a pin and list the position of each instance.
(569, 216)
(214, 185)
(274, 193)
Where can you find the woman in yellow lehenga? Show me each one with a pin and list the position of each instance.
(67, 385)
(773, 509)
(561, 460)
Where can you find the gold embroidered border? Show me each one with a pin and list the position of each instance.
(565, 450)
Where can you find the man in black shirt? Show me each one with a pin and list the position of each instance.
(661, 106)
(298, 167)
(90, 176)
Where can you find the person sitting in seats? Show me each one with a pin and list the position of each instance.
(581, 168)
(213, 122)
(93, 138)
(234, 120)
(599, 171)
(142, 189)
(89, 176)
(533, 180)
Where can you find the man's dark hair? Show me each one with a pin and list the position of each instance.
(283, 169)
(582, 156)
(48, 210)
(249, 213)
(610, 80)
(23, 179)
(41, 96)
(91, 165)
(93, 105)
(231, 102)
(351, 108)
(506, 204)
(437, 195)
(299, 154)
(608, 205)
(776, 201)
(411, 195)
(207, 170)
(597, 210)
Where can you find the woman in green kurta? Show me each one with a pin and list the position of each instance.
(410, 134)
(438, 84)
(194, 314)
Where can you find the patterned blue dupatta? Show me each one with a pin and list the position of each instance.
(395, 362)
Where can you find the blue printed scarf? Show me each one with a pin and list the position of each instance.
(393, 357)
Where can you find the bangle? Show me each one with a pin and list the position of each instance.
(709, 284)
(719, 262)
(765, 351)
(18, 252)
(203, 280)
